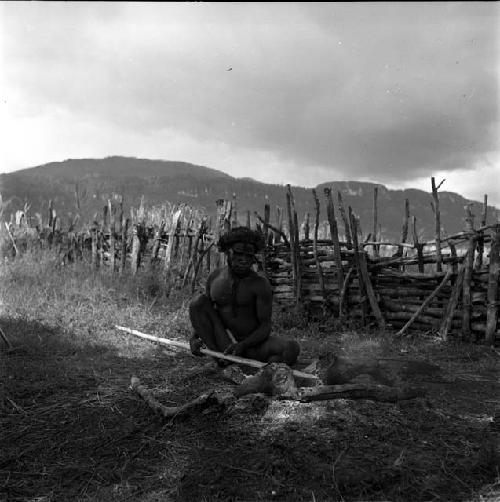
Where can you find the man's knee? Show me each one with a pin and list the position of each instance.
(199, 303)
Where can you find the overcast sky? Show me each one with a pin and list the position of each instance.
(295, 93)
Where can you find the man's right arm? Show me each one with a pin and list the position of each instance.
(208, 285)
(195, 341)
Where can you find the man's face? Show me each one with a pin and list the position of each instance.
(241, 258)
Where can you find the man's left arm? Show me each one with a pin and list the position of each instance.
(264, 308)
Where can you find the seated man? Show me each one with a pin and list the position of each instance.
(234, 315)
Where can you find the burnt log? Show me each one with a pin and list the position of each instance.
(276, 379)
(382, 393)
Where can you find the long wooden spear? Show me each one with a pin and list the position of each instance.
(208, 352)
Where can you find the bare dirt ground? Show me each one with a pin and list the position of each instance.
(71, 429)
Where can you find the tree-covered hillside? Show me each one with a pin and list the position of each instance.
(95, 180)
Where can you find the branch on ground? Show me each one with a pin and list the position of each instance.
(277, 380)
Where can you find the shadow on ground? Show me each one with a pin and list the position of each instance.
(73, 430)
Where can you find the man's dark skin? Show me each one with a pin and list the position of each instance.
(239, 300)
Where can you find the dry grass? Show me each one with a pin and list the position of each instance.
(72, 429)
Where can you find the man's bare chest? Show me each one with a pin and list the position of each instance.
(224, 291)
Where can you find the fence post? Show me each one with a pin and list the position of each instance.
(14, 245)
(368, 287)
(480, 240)
(51, 224)
(294, 244)
(419, 247)
(141, 212)
(375, 221)
(437, 215)
(112, 213)
(168, 253)
(305, 226)
(120, 215)
(51, 215)
(492, 295)
(199, 252)
(79, 246)
(404, 231)
(279, 224)
(94, 256)
(345, 220)
(189, 235)
(469, 265)
(136, 249)
(201, 248)
(198, 266)
(228, 211)
(454, 256)
(157, 242)
(209, 250)
(218, 228)
(361, 284)
(123, 257)
(100, 246)
(196, 256)
(291, 238)
(319, 269)
(297, 250)
(105, 217)
(234, 222)
(265, 231)
(334, 233)
(55, 220)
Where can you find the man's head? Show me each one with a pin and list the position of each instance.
(241, 245)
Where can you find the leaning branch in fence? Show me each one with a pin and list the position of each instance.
(426, 303)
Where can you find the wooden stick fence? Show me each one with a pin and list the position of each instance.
(448, 286)
(454, 292)
(176, 242)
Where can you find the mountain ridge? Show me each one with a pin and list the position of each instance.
(158, 181)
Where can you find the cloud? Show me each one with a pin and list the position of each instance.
(382, 91)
